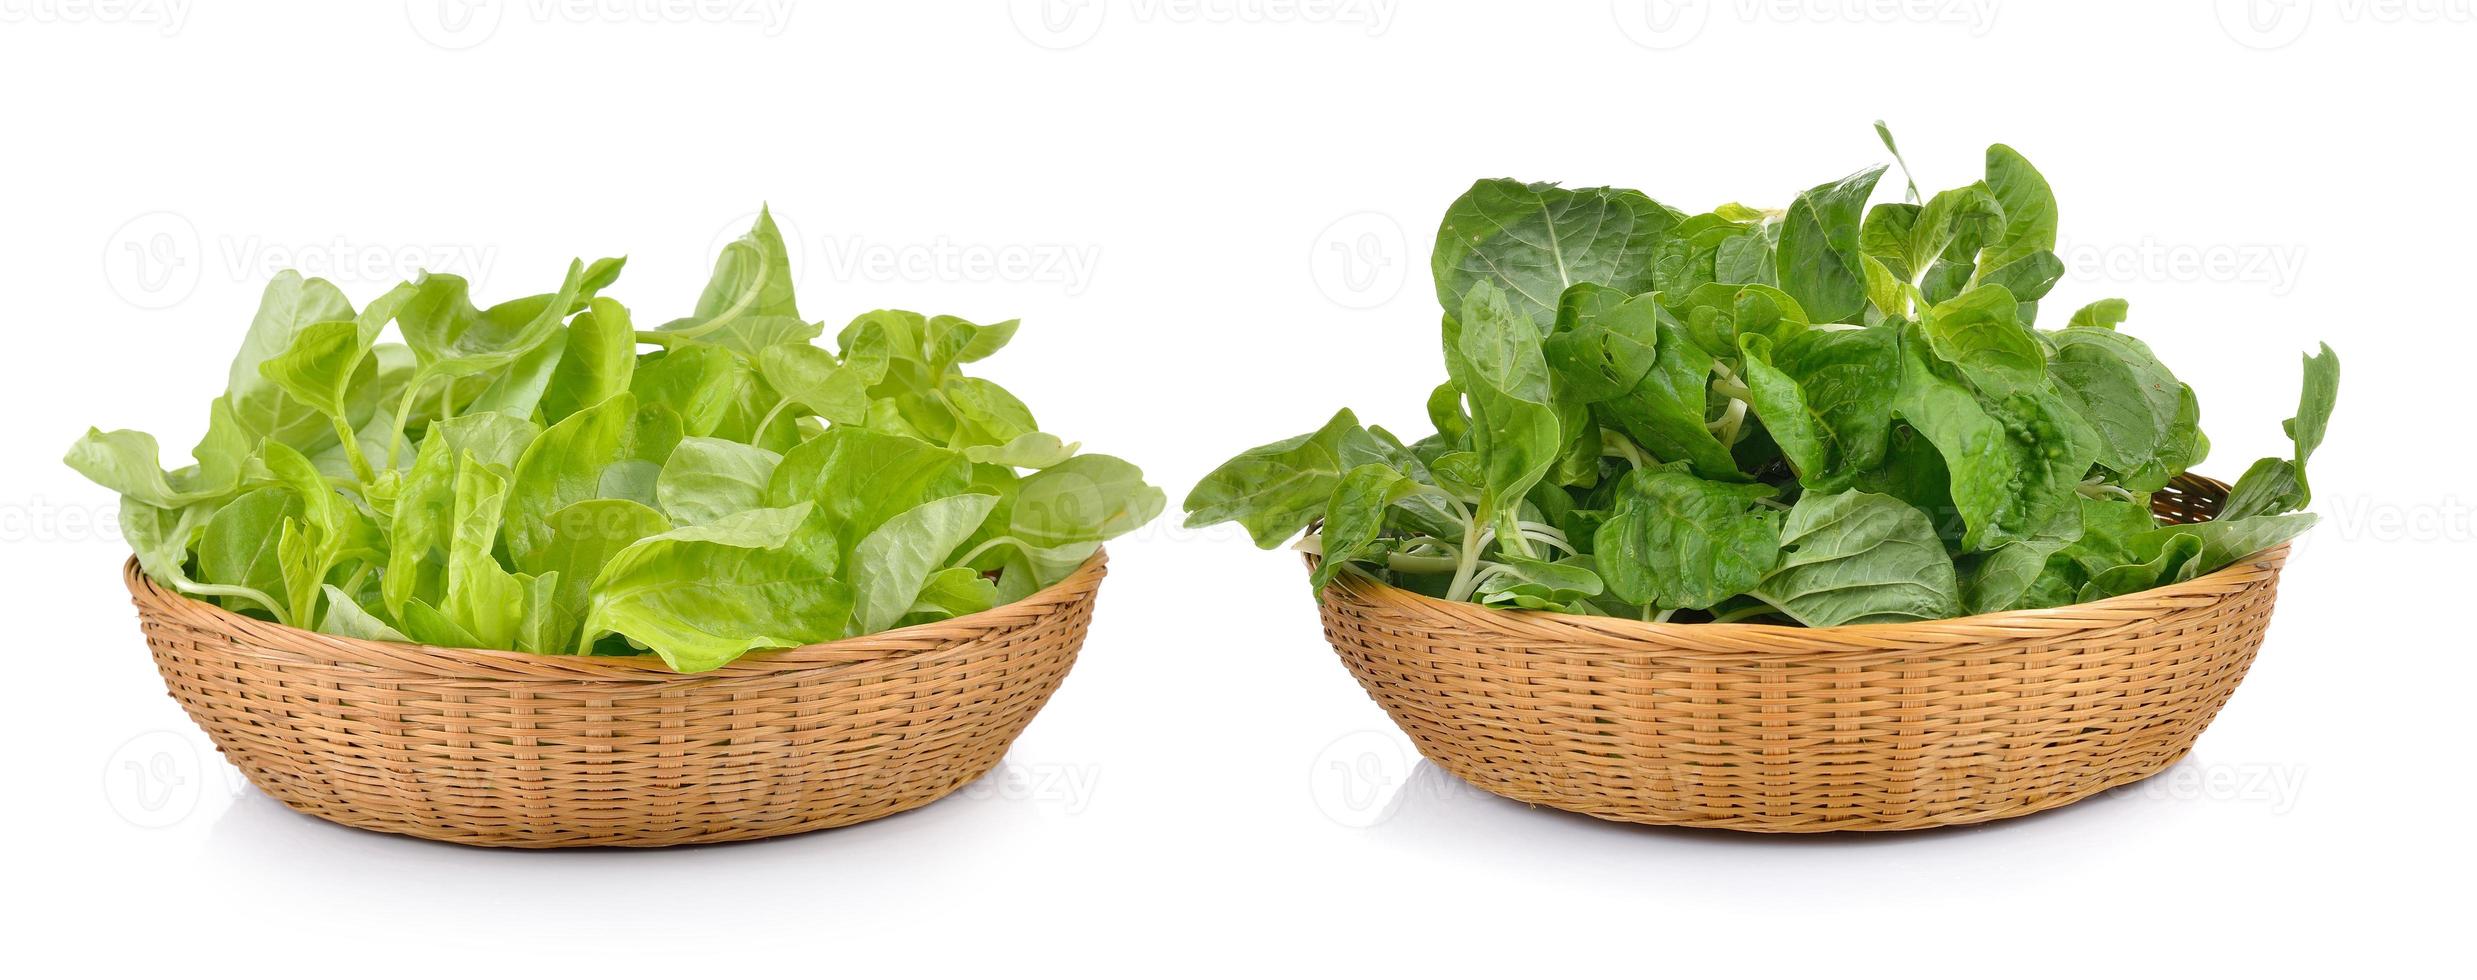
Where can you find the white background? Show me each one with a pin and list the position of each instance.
(1214, 222)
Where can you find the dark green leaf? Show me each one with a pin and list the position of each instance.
(1858, 557)
(1818, 255)
(1532, 241)
(1681, 542)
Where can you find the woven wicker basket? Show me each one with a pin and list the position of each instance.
(515, 750)
(1779, 728)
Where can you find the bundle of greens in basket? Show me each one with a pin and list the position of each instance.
(1822, 415)
(521, 478)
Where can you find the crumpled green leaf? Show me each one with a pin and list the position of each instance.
(523, 477)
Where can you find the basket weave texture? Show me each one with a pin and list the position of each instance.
(516, 750)
(1793, 729)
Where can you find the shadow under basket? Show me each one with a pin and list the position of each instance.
(518, 750)
(1795, 729)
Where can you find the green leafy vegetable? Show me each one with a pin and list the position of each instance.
(1858, 557)
(527, 477)
(1840, 411)
(1532, 241)
(2273, 485)
(1679, 541)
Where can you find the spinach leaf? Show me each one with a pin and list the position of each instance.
(597, 361)
(568, 463)
(1083, 502)
(1858, 557)
(1495, 359)
(237, 547)
(814, 380)
(1355, 517)
(701, 596)
(452, 339)
(1531, 241)
(1821, 395)
(1031, 451)
(346, 617)
(706, 479)
(289, 305)
(125, 461)
(2029, 212)
(483, 598)
(859, 479)
(2163, 562)
(1838, 411)
(1996, 580)
(2274, 486)
(952, 592)
(1678, 541)
(1277, 489)
(2149, 423)
(1603, 343)
(894, 562)
(2014, 459)
(1667, 412)
(584, 536)
(1980, 333)
(2104, 314)
(1818, 257)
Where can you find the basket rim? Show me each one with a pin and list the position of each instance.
(2018, 623)
(2113, 611)
(425, 658)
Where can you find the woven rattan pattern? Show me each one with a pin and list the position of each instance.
(507, 749)
(1776, 728)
